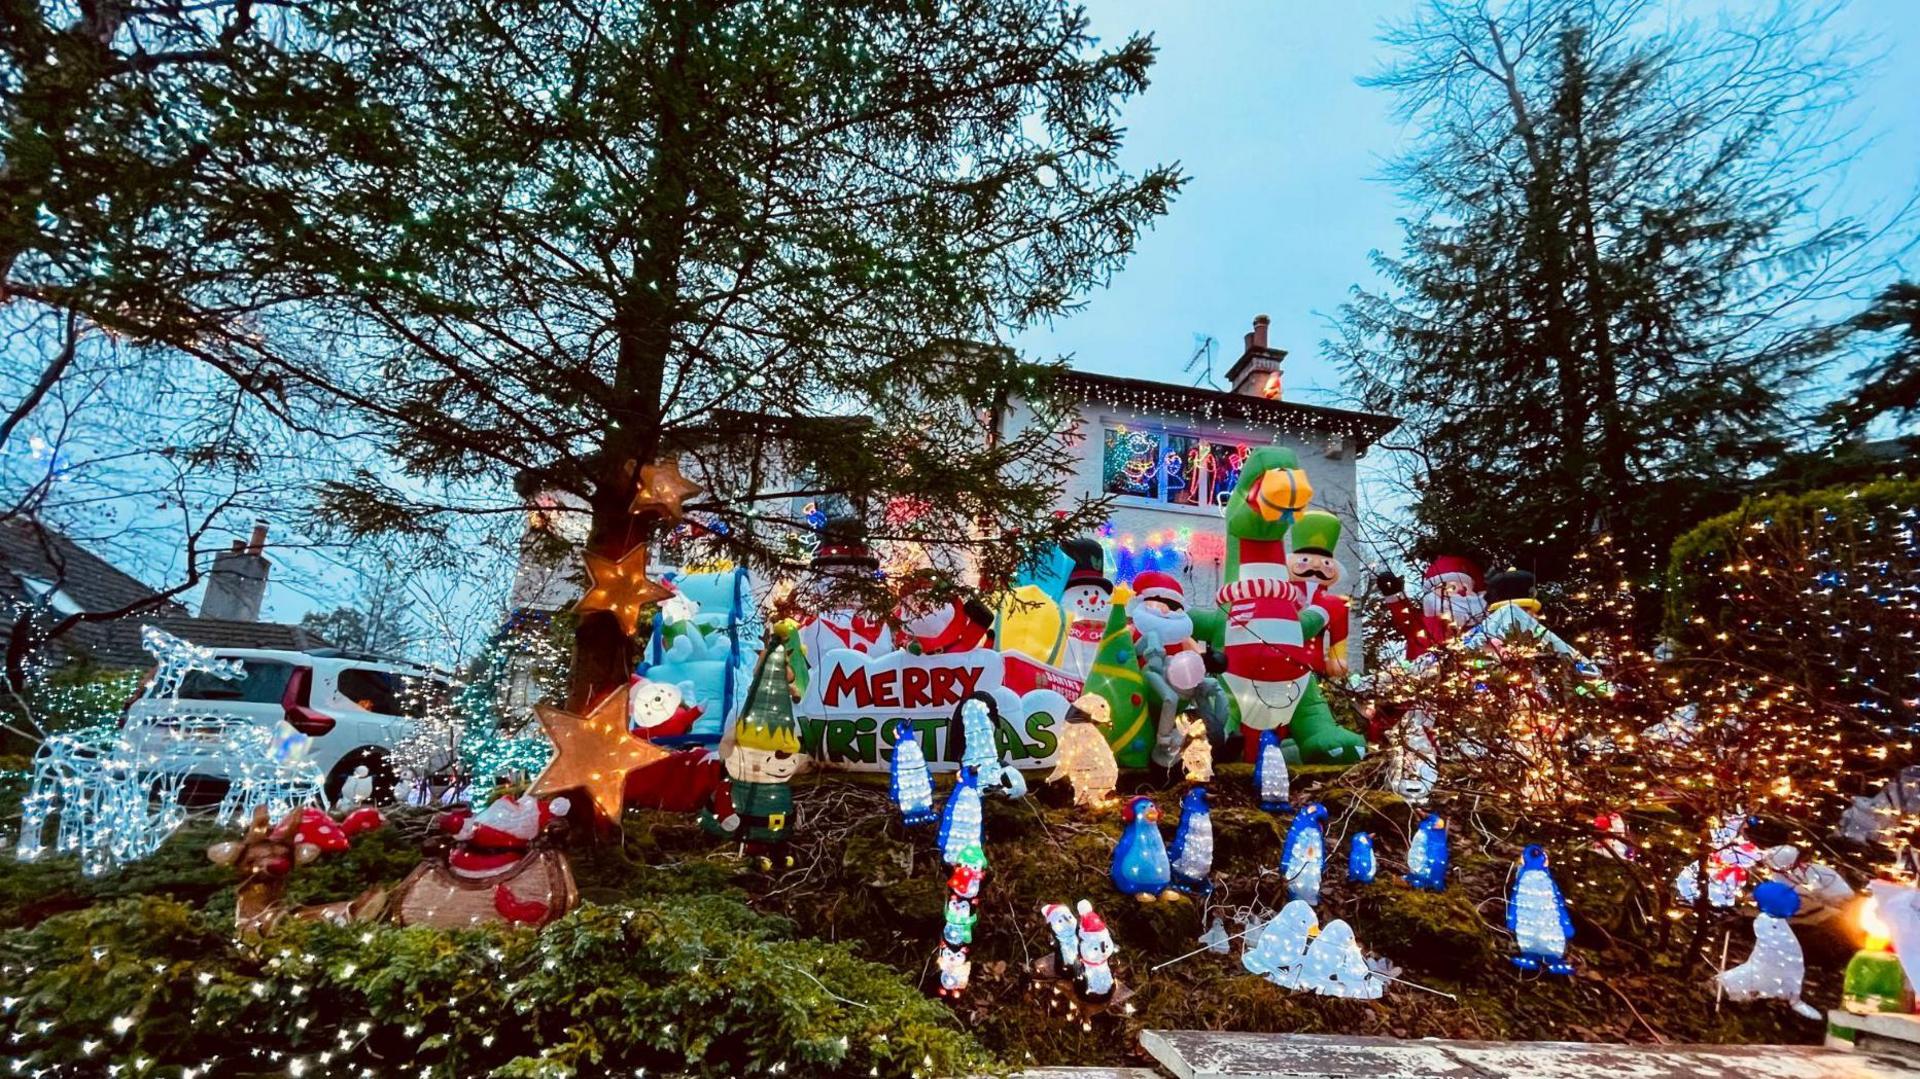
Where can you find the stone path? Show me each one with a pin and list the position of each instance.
(1197, 1054)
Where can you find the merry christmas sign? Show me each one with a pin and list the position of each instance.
(852, 700)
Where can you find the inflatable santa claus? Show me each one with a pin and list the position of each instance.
(1452, 601)
(1172, 662)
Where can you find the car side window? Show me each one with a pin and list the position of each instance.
(370, 691)
(265, 682)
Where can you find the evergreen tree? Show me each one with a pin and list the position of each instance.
(560, 242)
(1889, 385)
(1608, 298)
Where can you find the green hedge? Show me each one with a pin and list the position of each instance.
(673, 972)
(1823, 587)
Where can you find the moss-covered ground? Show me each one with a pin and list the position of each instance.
(876, 888)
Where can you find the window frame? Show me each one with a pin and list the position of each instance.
(1162, 431)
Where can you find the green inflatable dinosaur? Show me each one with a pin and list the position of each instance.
(1263, 626)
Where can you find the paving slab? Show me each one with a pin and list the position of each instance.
(1200, 1054)
(1089, 1073)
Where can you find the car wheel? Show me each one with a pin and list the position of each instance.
(379, 766)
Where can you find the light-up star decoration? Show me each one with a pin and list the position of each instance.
(620, 586)
(661, 490)
(593, 752)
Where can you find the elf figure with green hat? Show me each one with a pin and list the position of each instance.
(1311, 565)
(754, 804)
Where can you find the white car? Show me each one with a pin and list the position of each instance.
(354, 708)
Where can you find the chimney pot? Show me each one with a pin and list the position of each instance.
(259, 541)
(238, 546)
(1258, 339)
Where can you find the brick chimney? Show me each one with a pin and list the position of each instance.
(237, 583)
(1257, 372)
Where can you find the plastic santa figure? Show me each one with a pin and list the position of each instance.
(1311, 565)
(499, 835)
(1171, 660)
(1085, 601)
(1453, 601)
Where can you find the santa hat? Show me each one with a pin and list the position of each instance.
(1457, 569)
(1048, 910)
(843, 546)
(1090, 920)
(510, 823)
(1161, 586)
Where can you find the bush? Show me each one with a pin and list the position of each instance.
(698, 984)
(1817, 588)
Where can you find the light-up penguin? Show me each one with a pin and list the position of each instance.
(1360, 865)
(908, 780)
(961, 818)
(1270, 786)
(1427, 856)
(1140, 866)
(980, 748)
(1303, 857)
(1095, 976)
(1193, 845)
(1537, 916)
(1064, 925)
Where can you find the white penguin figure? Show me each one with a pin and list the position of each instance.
(1336, 967)
(1064, 926)
(1270, 786)
(1776, 967)
(1096, 948)
(1280, 947)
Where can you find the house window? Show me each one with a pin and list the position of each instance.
(1181, 468)
(45, 591)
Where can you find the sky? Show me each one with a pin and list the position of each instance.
(1259, 103)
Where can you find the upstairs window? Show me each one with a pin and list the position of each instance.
(1176, 467)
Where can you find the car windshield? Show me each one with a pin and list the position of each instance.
(264, 683)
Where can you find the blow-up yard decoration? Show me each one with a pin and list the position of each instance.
(1250, 664)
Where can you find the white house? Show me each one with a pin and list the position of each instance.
(1167, 454)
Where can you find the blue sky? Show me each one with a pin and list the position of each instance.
(1259, 103)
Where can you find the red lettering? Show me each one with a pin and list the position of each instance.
(846, 682)
(885, 690)
(969, 677)
(913, 687)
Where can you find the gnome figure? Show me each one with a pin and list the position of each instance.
(754, 805)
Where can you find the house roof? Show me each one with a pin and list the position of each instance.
(29, 550)
(1145, 395)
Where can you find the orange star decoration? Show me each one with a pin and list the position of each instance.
(593, 752)
(621, 587)
(662, 487)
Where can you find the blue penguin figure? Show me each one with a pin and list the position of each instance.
(1270, 786)
(908, 780)
(1427, 857)
(1303, 857)
(1193, 845)
(1537, 916)
(1360, 859)
(1140, 865)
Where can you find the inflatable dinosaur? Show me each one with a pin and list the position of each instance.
(1267, 622)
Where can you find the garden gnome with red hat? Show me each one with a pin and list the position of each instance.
(1452, 602)
(1171, 661)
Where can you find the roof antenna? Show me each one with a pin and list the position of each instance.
(1204, 345)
